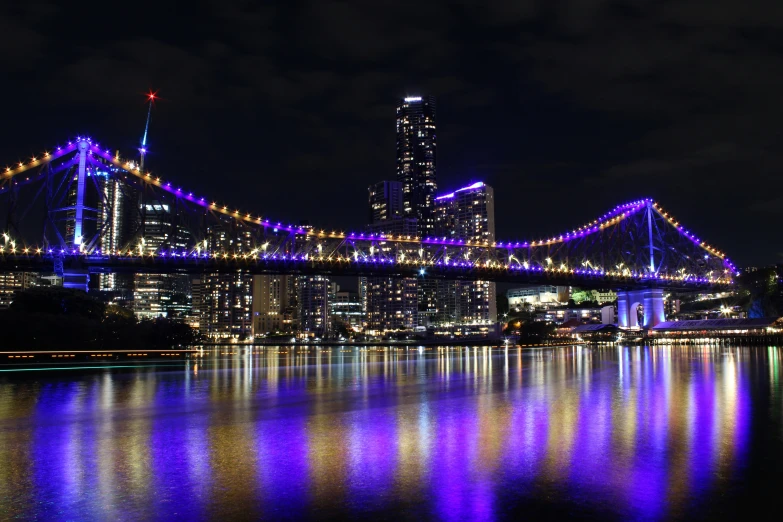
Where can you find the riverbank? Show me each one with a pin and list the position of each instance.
(87, 359)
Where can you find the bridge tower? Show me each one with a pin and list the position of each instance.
(77, 277)
(81, 184)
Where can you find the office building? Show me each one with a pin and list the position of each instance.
(117, 218)
(417, 159)
(467, 214)
(155, 295)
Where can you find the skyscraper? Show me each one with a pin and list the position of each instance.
(313, 295)
(385, 201)
(416, 159)
(390, 303)
(467, 214)
(154, 294)
(274, 297)
(227, 297)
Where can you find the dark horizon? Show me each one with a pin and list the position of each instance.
(288, 111)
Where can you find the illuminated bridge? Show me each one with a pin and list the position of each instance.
(79, 209)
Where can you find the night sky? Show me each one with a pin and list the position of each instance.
(567, 108)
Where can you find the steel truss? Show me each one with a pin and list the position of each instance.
(635, 242)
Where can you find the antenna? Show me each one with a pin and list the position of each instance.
(143, 150)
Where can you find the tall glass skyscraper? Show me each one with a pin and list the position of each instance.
(416, 159)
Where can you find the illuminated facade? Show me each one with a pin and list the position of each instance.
(155, 294)
(347, 309)
(391, 304)
(12, 282)
(537, 295)
(385, 198)
(274, 299)
(227, 297)
(116, 219)
(467, 214)
(313, 296)
(416, 159)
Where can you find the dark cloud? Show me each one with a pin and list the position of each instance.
(566, 107)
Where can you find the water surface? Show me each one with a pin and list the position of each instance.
(451, 434)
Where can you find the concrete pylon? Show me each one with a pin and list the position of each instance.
(628, 303)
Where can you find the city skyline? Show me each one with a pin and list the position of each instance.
(504, 119)
(338, 259)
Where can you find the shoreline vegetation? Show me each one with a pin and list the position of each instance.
(43, 318)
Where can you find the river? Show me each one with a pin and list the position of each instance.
(473, 433)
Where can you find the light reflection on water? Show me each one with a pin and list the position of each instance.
(467, 433)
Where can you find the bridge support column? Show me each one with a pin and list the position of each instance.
(628, 303)
(81, 182)
(653, 307)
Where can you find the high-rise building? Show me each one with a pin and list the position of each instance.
(118, 218)
(387, 301)
(196, 304)
(111, 218)
(313, 296)
(385, 201)
(386, 211)
(416, 159)
(12, 282)
(347, 309)
(227, 297)
(467, 214)
(154, 295)
(391, 304)
(274, 299)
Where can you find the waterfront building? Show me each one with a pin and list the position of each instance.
(417, 159)
(193, 319)
(604, 296)
(737, 329)
(227, 297)
(12, 282)
(347, 309)
(274, 299)
(313, 296)
(467, 214)
(391, 304)
(155, 294)
(562, 315)
(537, 296)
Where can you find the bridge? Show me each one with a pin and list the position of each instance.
(79, 209)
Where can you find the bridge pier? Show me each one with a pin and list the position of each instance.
(628, 303)
(78, 279)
